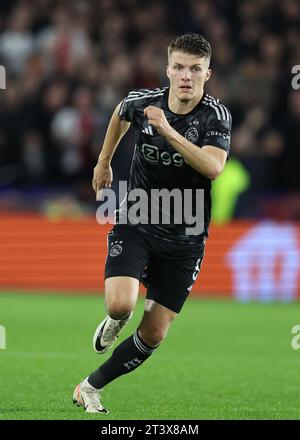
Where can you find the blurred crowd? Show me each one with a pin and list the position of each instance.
(69, 63)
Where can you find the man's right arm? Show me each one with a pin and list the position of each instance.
(102, 172)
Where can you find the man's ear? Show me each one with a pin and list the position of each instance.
(208, 73)
(168, 71)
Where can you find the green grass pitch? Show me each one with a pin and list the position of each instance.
(221, 360)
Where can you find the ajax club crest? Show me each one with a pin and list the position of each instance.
(115, 249)
(191, 134)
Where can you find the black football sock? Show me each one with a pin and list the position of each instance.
(129, 355)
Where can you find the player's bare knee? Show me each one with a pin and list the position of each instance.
(118, 309)
(120, 299)
(118, 305)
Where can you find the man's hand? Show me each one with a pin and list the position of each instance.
(157, 118)
(103, 177)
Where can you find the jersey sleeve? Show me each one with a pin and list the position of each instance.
(218, 129)
(129, 105)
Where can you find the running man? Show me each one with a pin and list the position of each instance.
(182, 138)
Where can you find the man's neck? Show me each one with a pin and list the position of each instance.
(182, 107)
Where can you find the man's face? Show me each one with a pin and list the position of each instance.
(187, 74)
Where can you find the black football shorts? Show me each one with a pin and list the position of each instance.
(167, 269)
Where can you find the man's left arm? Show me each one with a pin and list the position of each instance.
(208, 160)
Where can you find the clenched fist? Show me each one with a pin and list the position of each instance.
(157, 118)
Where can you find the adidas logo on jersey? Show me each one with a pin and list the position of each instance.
(148, 130)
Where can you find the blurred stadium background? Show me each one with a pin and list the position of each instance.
(68, 63)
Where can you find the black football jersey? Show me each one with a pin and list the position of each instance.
(157, 165)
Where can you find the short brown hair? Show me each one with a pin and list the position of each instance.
(192, 43)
